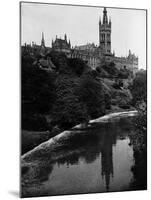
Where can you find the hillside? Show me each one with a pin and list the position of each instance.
(60, 92)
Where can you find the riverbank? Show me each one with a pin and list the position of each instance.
(56, 141)
(31, 139)
(81, 144)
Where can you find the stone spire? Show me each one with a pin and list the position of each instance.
(105, 34)
(65, 37)
(42, 40)
(69, 43)
(105, 19)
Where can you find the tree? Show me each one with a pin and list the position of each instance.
(68, 110)
(38, 89)
(139, 137)
(91, 93)
(38, 94)
(139, 87)
(77, 65)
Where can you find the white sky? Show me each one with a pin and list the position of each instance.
(81, 24)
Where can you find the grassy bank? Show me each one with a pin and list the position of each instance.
(31, 139)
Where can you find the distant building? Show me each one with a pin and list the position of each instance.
(130, 62)
(61, 45)
(96, 56)
(34, 49)
(92, 54)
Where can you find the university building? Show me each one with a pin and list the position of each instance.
(94, 55)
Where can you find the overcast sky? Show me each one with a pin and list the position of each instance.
(81, 26)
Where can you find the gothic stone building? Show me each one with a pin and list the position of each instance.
(34, 49)
(96, 55)
(92, 54)
(62, 45)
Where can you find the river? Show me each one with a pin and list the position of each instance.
(96, 158)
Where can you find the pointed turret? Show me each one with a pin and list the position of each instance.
(105, 19)
(65, 37)
(69, 44)
(42, 40)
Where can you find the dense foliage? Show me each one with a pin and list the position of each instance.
(69, 94)
(139, 92)
(139, 87)
(67, 110)
(139, 137)
(90, 92)
(109, 70)
(38, 91)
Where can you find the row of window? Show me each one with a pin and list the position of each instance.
(108, 47)
(107, 37)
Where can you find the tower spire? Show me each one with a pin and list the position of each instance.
(105, 18)
(105, 34)
(69, 43)
(42, 40)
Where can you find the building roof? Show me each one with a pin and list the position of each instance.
(60, 43)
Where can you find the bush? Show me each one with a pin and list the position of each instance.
(123, 73)
(111, 70)
(121, 98)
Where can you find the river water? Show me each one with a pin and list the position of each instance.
(98, 158)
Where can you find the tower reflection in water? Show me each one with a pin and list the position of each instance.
(91, 145)
(87, 150)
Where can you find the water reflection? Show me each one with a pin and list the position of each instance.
(95, 159)
(107, 162)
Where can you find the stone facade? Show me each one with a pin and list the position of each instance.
(61, 45)
(105, 34)
(89, 53)
(96, 55)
